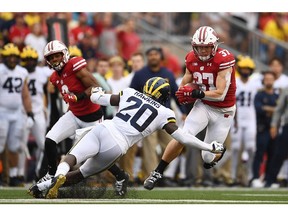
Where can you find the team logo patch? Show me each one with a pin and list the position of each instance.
(226, 115)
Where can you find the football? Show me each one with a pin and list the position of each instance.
(193, 85)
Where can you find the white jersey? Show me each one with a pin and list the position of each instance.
(11, 86)
(245, 94)
(143, 114)
(36, 82)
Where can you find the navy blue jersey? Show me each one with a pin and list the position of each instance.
(146, 73)
(262, 98)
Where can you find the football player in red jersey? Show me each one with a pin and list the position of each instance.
(74, 82)
(212, 68)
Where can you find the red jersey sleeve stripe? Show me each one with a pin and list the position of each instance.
(76, 67)
(227, 64)
(79, 62)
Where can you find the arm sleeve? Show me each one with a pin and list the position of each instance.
(101, 99)
(279, 108)
(189, 140)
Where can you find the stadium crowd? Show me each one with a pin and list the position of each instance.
(114, 52)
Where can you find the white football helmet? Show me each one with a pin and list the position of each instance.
(205, 36)
(53, 47)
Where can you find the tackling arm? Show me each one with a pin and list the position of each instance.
(185, 138)
(98, 96)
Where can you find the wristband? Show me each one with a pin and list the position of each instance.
(197, 93)
(81, 96)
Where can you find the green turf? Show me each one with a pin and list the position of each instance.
(158, 196)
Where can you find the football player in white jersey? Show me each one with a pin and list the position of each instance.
(244, 127)
(139, 115)
(37, 80)
(14, 95)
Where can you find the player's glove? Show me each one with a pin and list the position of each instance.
(186, 94)
(185, 100)
(70, 98)
(217, 147)
(97, 90)
(188, 91)
(30, 119)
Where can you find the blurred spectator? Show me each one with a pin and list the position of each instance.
(182, 23)
(129, 41)
(18, 31)
(240, 36)
(101, 69)
(31, 19)
(172, 62)
(265, 103)
(118, 81)
(276, 28)
(280, 136)
(6, 21)
(83, 28)
(88, 46)
(263, 18)
(276, 65)
(107, 36)
(74, 51)
(135, 63)
(37, 40)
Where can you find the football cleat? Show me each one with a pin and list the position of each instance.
(35, 192)
(152, 180)
(45, 178)
(57, 182)
(121, 186)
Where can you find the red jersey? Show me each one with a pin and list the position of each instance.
(67, 82)
(205, 73)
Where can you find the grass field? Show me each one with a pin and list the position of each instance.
(160, 201)
(156, 196)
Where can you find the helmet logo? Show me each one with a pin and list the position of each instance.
(203, 34)
(50, 46)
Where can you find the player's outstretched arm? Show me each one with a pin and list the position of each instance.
(98, 96)
(185, 138)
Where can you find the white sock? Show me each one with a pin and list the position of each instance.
(62, 169)
(21, 163)
(182, 173)
(13, 172)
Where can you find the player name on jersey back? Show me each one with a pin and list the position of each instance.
(147, 99)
